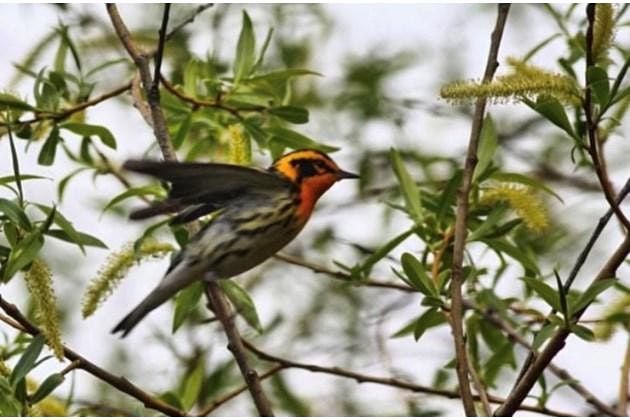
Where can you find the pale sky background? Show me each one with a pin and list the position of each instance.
(359, 29)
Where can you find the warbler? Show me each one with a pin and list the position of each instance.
(256, 213)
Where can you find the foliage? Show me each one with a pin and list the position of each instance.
(252, 100)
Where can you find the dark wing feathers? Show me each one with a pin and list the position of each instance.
(201, 188)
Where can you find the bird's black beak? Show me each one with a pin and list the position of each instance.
(346, 175)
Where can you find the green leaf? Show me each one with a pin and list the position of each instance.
(584, 333)
(64, 224)
(245, 50)
(382, 252)
(488, 225)
(295, 140)
(542, 335)
(524, 180)
(172, 399)
(410, 190)
(192, 386)
(15, 214)
(91, 130)
(24, 177)
(431, 318)
(550, 108)
(449, 195)
(499, 359)
(11, 102)
(564, 309)
(416, 273)
(47, 387)
(61, 187)
(283, 75)
(28, 359)
(597, 79)
(242, 302)
(591, 294)
(545, 291)
(182, 132)
(502, 246)
(47, 153)
(9, 405)
(80, 238)
(185, 304)
(287, 399)
(488, 143)
(263, 50)
(152, 189)
(292, 114)
(23, 254)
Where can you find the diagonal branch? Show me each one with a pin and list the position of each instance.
(392, 382)
(141, 59)
(225, 316)
(557, 341)
(79, 362)
(462, 216)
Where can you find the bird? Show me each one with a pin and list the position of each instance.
(253, 212)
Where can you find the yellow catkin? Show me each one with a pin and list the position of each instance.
(525, 81)
(239, 145)
(604, 330)
(115, 269)
(603, 30)
(39, 282)
(522, 200)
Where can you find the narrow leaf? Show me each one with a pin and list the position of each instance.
(410, 190)
(47, 387)
(28, 359)
(91, 130)
(295, 140)
(243, 303)
(245, 50)
(185, 304)
(488, 143)
(292, 114)
(591, 294)
(416, 273)
(14, 213)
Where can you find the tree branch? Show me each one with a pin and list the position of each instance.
(592, 130)
(462, 216)
(80, 362)
(557, 341)
(227, 397)
(393, 382)
(514, 336)
(141, 60)
(223, 313)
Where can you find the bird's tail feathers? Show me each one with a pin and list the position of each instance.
(176, 279)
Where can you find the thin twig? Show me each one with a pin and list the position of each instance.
(461, 217)
(579, 263)
(594, 146)
(487, 314)
(64, 113)
(557, 341)
(118, 382)
(480, 388)
(200, 9)
(141, 60)
(392, 382)
(340, 275)
(565, 376)
(227, 397)
(223, 313)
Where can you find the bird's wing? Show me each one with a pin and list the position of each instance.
(201, 188)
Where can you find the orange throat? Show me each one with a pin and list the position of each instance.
(310, 191)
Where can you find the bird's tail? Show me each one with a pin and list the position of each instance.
(174, 281)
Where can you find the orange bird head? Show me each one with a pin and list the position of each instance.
(312, 172)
